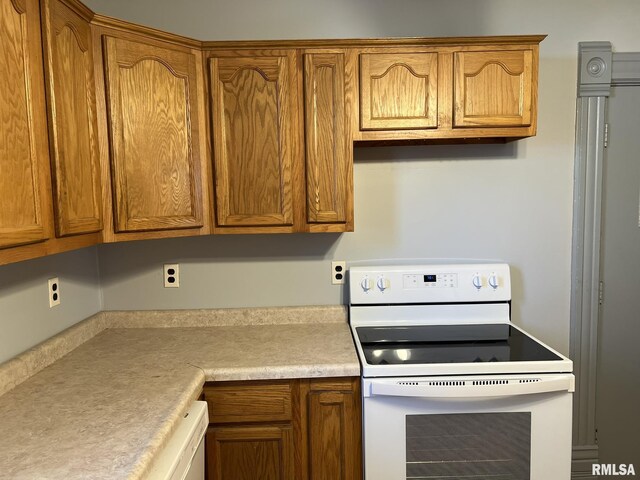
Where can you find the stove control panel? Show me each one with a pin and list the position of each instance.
(430, 280)
(430, 283)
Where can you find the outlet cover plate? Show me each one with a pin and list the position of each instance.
(171, 275)
(338, 272)
(54, 292)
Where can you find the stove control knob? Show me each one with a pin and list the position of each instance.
(493, 281)
(383, 284)
(366, 284)
(477, 281)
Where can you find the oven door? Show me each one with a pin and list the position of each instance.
(501, 427)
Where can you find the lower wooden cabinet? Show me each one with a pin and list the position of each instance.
(334, 431)
(302, 429)
(249, 453)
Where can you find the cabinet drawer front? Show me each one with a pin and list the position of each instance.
(493, 88)
(398, 91)
(249, 403)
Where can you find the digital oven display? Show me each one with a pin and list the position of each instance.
(429, 279)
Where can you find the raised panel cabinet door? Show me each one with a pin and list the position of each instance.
(155, 157)
(493, 88)
(24, 160)
(253, 125)
(334, 434)
(327, 149)
(398, 91)
(250, 453)
(72, 119)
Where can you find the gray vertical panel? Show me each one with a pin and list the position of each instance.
(586, 261)
(618, 390)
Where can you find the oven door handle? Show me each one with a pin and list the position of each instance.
(472, 388)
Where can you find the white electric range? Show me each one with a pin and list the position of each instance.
(451, 388)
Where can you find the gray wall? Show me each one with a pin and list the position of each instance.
(510, 202)
(25, 316)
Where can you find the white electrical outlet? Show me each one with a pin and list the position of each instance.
(338, 272)
(171, 273)
(54, 292)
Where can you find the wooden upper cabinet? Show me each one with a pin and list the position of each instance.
(72, 118)
(253, 136)
(328, 150)
(494, 88)
(398, 91)
(154, 136)
(24, 160)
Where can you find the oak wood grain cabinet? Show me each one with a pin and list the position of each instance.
(157, 173)
(282, 149)
(493, 88)
(300, 429)
(447, 90)
(250, 452)
(72, 117)
(328, 144)
(255, 140)
(334, 429)
(25, 202)
(252, 430)
(398, 90)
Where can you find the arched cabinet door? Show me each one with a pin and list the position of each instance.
(398, 91)
(494, 88)
(24, 159)
(153, 126)
(72, 118)
(254, 140)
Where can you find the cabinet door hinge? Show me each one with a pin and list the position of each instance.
(601, 293)
(606, 135)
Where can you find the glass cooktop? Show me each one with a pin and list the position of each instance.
(449, 344)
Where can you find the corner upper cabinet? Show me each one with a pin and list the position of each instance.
(254, 137)
(398, 91)
(328, 148)
(72, 117)
(154, 127)
(24, 161)
(494, 88)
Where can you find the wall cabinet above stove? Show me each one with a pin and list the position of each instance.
(484, 88)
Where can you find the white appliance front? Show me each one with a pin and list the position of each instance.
(506, 427)
(183, 456)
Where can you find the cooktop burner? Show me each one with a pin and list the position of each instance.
(428, 344)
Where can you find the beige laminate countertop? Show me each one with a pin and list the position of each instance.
(105, 410)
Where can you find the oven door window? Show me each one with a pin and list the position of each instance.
(479, 446)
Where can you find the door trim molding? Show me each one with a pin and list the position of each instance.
(599, 69)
